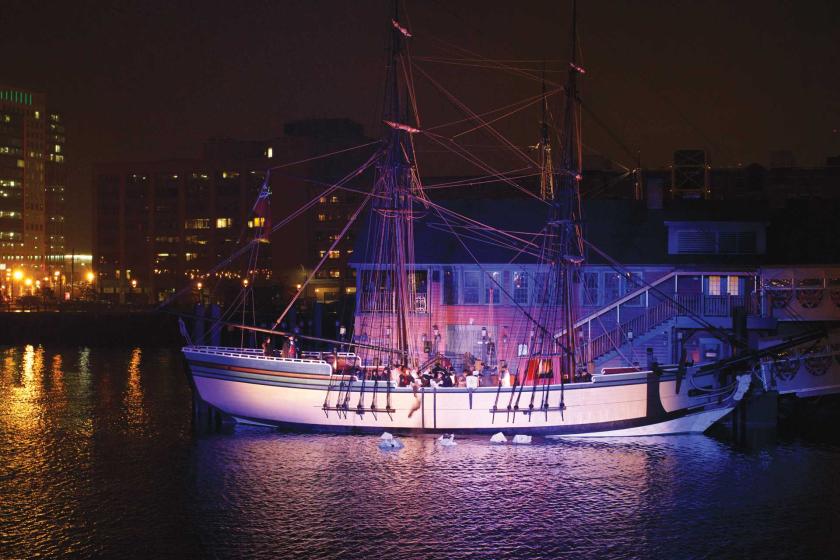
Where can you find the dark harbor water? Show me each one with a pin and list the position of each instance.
(98, 460)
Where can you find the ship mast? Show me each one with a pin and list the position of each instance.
(566, 207)
(394, 188)
(546, 163)
(562, 248)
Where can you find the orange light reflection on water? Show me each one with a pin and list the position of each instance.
(135, 410)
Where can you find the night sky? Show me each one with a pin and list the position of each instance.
(150, 80)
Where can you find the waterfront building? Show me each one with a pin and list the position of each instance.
(55, 189)
(695, 275)
(33, 182)
(160, 225)
(23, 155)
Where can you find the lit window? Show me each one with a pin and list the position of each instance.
(322, 217)
(714, 285)
(257, 222)
(733, 286)
(58, 148)
(224, 223)
(335, 273)
(269, 153)
(335, 254)
(334, 199)
(197, 223)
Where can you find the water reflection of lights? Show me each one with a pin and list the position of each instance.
(57, 374)
(25, 401)
(133, 397)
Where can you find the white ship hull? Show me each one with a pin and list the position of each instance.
(302, 394)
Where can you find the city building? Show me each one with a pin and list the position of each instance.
(55, 188)
(23, 156)
(160, 226)
(33, 182)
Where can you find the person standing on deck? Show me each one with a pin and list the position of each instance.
(504, 375)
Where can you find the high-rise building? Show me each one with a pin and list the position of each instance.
(31, 170)
(56, 184)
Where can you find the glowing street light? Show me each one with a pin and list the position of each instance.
(90, 277)
(18, 274)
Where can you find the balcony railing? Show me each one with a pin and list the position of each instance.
(711, 306)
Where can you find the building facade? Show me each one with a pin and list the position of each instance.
(701, 276)
(23, 157)
(161, 226)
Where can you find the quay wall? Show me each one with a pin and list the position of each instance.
(92, 328)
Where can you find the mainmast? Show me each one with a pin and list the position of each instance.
(395, 184)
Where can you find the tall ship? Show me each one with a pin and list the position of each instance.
(391, 374)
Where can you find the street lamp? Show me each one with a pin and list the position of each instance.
(91, 278)
(17, 275)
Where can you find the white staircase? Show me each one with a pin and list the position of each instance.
(658, 339)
